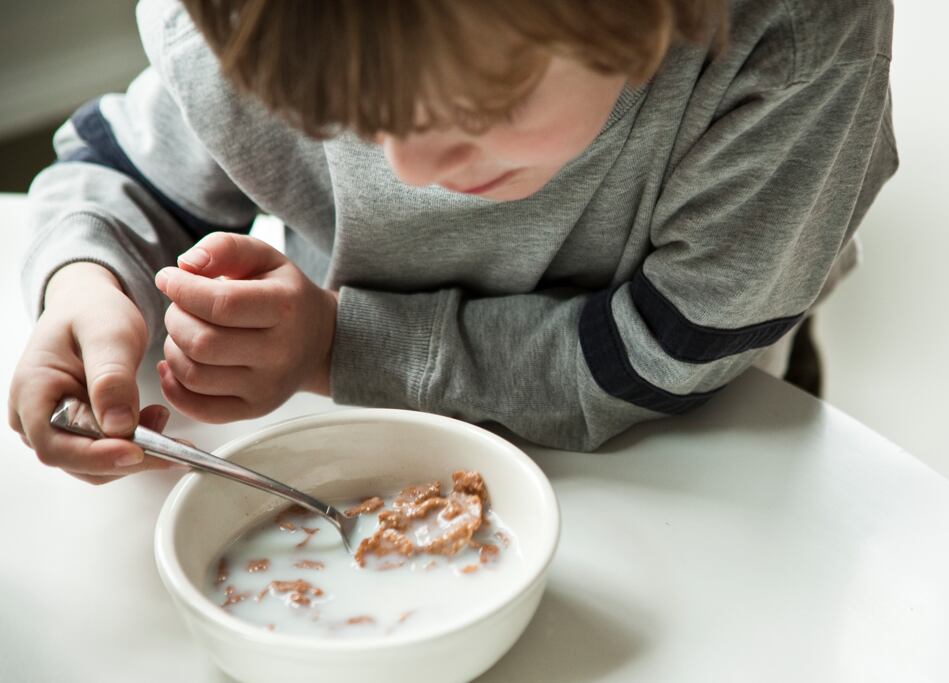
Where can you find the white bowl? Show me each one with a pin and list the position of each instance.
(341, 455)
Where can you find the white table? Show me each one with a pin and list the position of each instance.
(765, 538)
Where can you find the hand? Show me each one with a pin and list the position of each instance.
(88, 346)
(246, 330)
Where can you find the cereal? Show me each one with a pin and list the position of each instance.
(221, 571)
(458, 516)
(460, 520)
(413, 495)
(470, 483)
(386, 566)
(258, 565)
(231, 596)
(383, 542)
(300, 599)
(283, 519)
(413, 547)
(488, 553)
(299, 591)
(401, 620)
(310, 533)
(309, 564)
(365, 507)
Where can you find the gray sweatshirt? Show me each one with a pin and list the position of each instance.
(695, 231)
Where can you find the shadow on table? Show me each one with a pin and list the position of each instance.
(569, 641)
(753, 404)
(752, 443)
(215, 675)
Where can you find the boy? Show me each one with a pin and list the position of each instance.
(563, 217)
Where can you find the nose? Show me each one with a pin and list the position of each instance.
(421, 159)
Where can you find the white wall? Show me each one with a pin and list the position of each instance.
(886, 330)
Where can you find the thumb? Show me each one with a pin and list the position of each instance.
(235, 256)
(111, 353)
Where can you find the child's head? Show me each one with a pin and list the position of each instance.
(485, 96)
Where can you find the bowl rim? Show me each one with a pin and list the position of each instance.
(178, 585)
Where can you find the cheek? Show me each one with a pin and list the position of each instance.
(566, 114)
(549, 147)
(539, 154)
(553, 138)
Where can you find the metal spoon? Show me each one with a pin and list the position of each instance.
(72, 415)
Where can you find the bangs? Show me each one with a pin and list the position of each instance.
(403, 66)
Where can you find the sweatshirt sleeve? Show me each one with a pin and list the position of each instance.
(131, 189)
(749, 221)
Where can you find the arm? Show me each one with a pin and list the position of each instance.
(748, 224)
(131, 189)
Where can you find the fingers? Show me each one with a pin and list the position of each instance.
(220, 281)
(230, 255)
(211, 344)
(95, 480)
(112, 348)
(228, 303)
(110, 458)
(213, 409)
(210, 380)
(246, 329)
(155, 417)
(13, 419)
(92, 459)
(32, 403)
(79, 455)
(80, 350)
(48, 370)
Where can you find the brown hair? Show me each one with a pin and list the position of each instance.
(385, 65)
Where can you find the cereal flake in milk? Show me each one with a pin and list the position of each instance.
(424, 559)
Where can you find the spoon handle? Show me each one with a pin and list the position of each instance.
(75, 416)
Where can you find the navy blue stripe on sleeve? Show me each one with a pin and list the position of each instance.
(686, 341)
(609, 364)
(104, 150)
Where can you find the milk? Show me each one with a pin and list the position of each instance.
(310, 585)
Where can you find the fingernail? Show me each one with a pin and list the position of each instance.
(196, 257)
(163, 415)
(162, 368)
(129, 459)
(161, 279)
(118, 420)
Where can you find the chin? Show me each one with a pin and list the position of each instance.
(514, 191)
